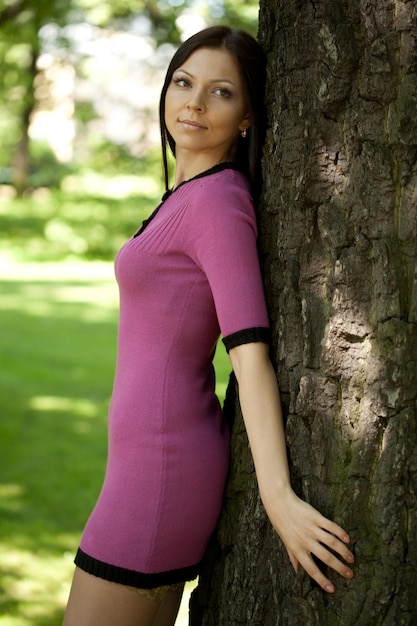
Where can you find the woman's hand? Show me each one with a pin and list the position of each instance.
(305, 532)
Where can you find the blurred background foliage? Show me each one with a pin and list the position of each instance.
(79, 136)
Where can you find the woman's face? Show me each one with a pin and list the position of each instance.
(205, 105)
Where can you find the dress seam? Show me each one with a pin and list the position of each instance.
(163, 430)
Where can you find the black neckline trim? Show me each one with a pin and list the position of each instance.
(227, 165)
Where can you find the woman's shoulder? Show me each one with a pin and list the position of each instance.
(226, 187)
(228, 178)
(219, 203)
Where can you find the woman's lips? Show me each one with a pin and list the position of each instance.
(191, 125)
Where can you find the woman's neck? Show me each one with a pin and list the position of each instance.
(189, 165)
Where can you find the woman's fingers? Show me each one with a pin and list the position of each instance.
(319, 537)
(294, 561)
(328, 559)
(335, 544)
(311, 568)
(334, 529)
(306, 534)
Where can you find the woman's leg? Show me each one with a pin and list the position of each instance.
(169, 607)
(97, 602)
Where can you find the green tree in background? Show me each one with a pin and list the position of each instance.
(29, 27)
(20, 25)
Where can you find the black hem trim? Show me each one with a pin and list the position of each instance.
(247, 335)
(128, 577)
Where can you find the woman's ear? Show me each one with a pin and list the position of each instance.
(245, 123)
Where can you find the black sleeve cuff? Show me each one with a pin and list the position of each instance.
(248, 335)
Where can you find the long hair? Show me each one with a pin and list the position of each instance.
(251, 63)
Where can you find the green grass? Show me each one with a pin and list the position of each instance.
(57, 346)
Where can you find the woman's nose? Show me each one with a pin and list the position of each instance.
(196, 101)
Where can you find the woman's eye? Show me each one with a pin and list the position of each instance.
(223, 92)
(181, 82)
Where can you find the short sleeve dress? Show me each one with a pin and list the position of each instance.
(190, 274)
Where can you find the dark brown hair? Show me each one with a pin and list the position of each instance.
(251, 63)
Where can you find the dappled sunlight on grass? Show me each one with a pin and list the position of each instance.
(42, 299)
(39, 289)
(58, 326)
(35, 587)
(76, 406)
(71, 270)
(11, 495)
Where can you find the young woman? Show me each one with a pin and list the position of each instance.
(190, 273)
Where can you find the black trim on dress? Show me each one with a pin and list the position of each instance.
(227, 165)
(247, 335)
(128, 577)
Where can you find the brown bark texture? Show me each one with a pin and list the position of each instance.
(338, 245)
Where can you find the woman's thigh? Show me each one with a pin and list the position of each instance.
(170, 605)
(97, 602)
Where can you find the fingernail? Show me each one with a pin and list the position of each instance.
(350, 559)
(329, 588)
(349, 574)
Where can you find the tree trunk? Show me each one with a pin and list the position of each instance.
(22, 160)
(338, 245)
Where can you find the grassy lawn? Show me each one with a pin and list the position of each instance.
(57, 345)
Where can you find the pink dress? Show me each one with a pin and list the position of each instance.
(190, 273)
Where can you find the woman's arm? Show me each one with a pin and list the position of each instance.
(303, 530)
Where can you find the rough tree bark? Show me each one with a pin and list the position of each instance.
(338, 246)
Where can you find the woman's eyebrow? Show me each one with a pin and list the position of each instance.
(213, 80)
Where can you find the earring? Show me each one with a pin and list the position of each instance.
(244, 133)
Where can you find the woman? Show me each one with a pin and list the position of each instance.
(190, 273)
